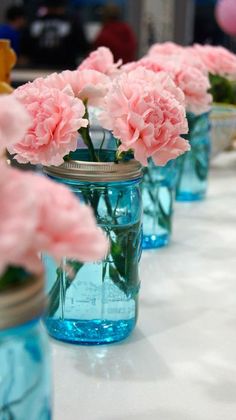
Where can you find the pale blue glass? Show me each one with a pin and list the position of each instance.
(24, 373)
(193, 166)
(157, 193)
(99, 303)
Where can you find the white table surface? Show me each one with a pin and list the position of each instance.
(180, 362)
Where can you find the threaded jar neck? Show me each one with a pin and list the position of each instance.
(97, 171)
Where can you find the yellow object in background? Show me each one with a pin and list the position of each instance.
(7, 62)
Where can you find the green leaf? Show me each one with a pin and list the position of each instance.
(199, 161)
(164, 219)
(116, 279)
(84, 132)
(222, 89)
(104, 270)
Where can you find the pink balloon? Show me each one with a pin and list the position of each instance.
(226, 16)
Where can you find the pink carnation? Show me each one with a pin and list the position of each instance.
(14, 120)
(37, 215)
(18, 221)
(170, 52)
(165, 48)
(69, 231)
(89, 85)
(195, 86)
(145, 111)
(101, 60)
(150, 63)
(57, 117)
(188, 58)
(188, 75)
(218, 60)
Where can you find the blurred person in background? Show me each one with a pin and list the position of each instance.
(55, 40)
(116, 35)
(12, 29)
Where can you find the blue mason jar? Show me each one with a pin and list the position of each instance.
(25, 386)
(157, 193)
(193, 166)
(99, 303)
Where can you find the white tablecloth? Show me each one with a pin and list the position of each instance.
(180, 362)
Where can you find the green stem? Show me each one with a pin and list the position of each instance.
(153, 188)
(180, 164)
(84, 132)
(60, 286)
(6, 408)
(101, 145)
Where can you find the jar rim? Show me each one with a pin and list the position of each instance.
(23, 303)
(97, 171)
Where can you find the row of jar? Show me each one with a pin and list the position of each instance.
(94, 303)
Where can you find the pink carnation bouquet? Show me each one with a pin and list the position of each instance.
(221, 66)
(144, 122)
(145, 113)
(187, 71)
(29, 224)
(215, 61)
(189, 68)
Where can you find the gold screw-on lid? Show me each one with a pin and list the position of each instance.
(97, 171)
(22, 304)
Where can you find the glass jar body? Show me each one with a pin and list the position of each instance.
(25, 386)
(99, 303)
(157, 194)
(193, 166)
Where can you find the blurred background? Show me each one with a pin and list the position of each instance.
(58, 34)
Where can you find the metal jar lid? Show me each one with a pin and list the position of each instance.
(22, 304)
(97, 171)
